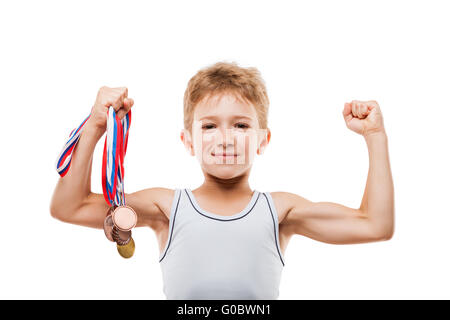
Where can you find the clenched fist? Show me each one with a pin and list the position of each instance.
(363, 117)
(106, 97)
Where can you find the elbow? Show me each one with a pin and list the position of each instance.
(384, 231)
(386, 234)
(53, 212)
(56, 214)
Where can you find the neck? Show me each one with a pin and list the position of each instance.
(233, 185)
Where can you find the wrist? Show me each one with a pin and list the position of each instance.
(376, 139)
(92, 130)
(375, 134)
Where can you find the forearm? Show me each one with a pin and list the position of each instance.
(72, 189)
(378, 199)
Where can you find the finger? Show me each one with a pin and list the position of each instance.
(115, 101)
(364, 110)
(122, 91)
(121, 114)
(128, 103)
(358, 110)
(354, 109)
(373, 103)
(347, 112)
(109, 103)
(126, 107)
(347, 109)
(118, 103)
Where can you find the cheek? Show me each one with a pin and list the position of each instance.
(207, 140)
(200, 140)
(246, 141)
(251, 142)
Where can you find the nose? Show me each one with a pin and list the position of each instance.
(225, 139)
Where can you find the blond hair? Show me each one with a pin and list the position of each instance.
(225, 77)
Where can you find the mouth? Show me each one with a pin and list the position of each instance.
(224, 155)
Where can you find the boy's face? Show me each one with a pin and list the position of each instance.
(225, 135)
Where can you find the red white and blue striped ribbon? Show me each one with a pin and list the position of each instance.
(114, 151)
(65, 157)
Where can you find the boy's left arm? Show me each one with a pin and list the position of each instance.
(337, 224)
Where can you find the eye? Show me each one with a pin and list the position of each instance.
(239, 125)
(207, 126)
(242, 125)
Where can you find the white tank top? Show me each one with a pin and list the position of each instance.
(210, 256)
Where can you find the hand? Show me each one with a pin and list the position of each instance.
(363, 117)
(106, 97)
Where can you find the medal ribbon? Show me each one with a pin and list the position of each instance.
(65, 157)
(114, 152)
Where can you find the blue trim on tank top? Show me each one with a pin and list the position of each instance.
(173, 225)
(274, 227)
(214, 216)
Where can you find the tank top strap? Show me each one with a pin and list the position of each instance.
(173, 213)
(274, 215)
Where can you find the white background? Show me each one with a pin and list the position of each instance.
(314, 56)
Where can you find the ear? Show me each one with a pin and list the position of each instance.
(266, 135)
(186, 138)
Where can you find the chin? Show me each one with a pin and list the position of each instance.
(226, 172)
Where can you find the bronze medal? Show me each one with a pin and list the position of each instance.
(121, 237)
(108, 228)
(124, 218)
(108, 224)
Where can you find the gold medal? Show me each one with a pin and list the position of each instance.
(127, 250)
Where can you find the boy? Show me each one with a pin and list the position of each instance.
(223, 240)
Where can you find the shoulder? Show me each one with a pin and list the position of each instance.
(285, 201)
(153, 204)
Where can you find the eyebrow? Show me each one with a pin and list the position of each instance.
(234, 117)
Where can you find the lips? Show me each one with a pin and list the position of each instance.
(224, 155)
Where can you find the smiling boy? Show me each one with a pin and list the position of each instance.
(224, 240)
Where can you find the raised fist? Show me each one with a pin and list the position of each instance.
(363, 117)
(106, 97)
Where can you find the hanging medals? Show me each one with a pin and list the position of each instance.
(108, 224)
(120, 218)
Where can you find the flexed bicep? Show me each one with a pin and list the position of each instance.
(329, 222)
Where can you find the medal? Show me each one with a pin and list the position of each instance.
(121, 237)
(120, 218)
(124, 218)
(108, 225)
(127, 250)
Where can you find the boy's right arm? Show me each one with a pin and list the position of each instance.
(72, 201)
